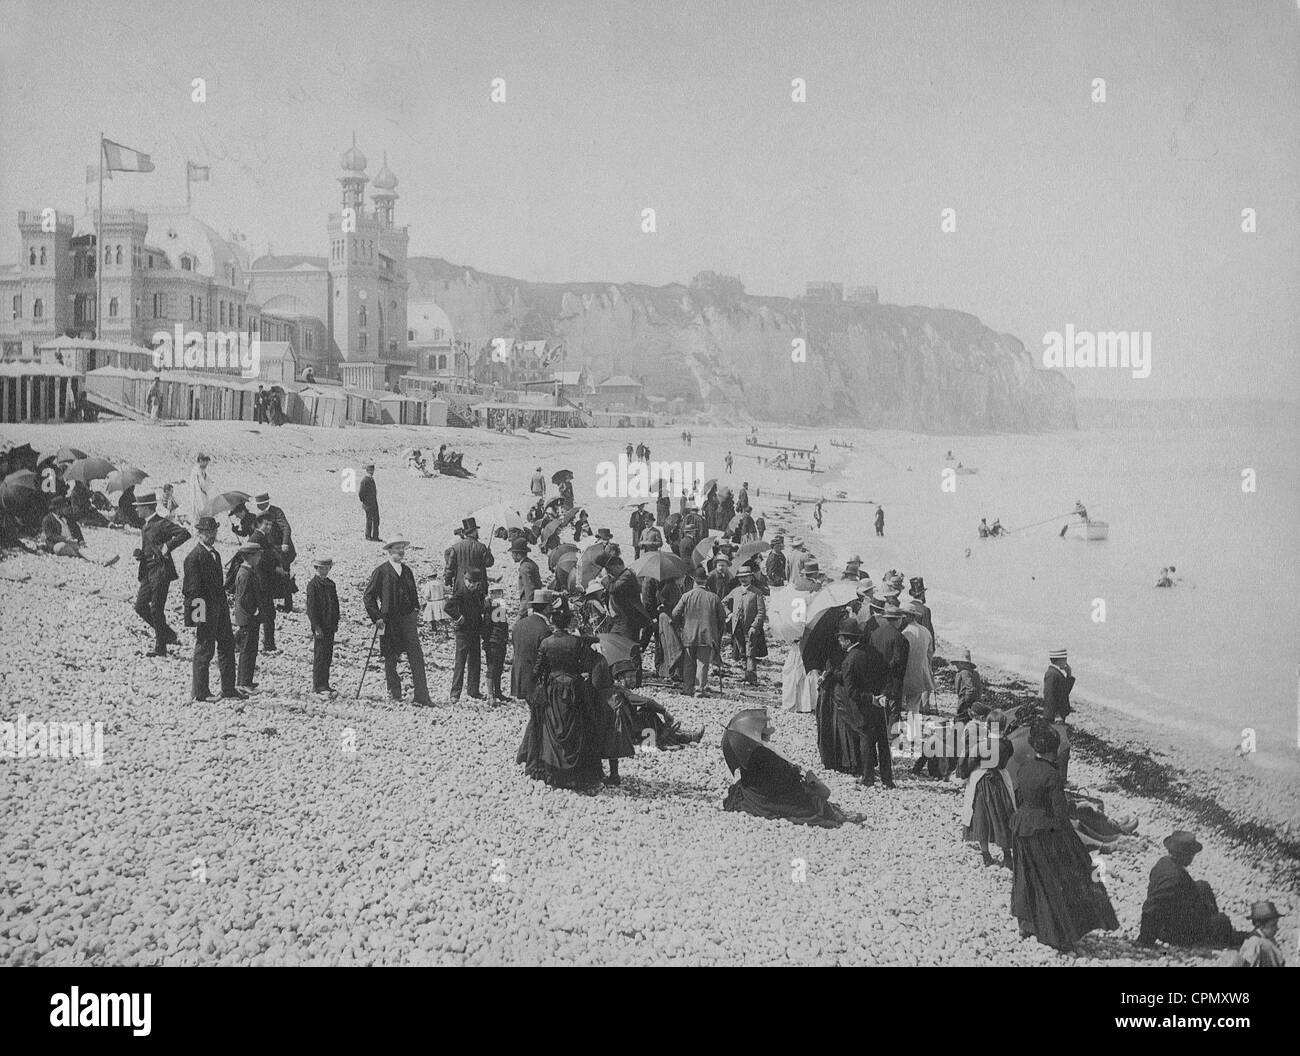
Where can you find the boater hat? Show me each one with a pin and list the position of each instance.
(393, 544)
(148, 498)
(1057, 654)
(263, 500)
(250, 548)
(323, 562)
(1263, 912)
(541, 599)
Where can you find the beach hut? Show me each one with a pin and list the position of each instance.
(277, 363)
(38, 392)
(84, 354)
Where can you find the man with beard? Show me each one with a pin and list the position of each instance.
(208, 612)
(393, 604)
(276, 525)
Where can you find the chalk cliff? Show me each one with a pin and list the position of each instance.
(924, 369)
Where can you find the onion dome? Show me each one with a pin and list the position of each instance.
(353, 160)
(385, 181)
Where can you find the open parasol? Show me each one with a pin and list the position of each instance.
(561, 475)
(704, 550)
(749, 549)
(743, 736)
(818, 643)
(660, 565)
(17, 489)
(837, 593)
(587, 567)
(88, 469)
(68, 454)
(126, 477)
(567, 563)
(553, 558)
(225, 502)
(500, 516)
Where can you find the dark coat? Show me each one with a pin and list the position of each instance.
(158, 538)
(778, 568)
(465, 609)
(890, 663)
(625, 604)
(1174, 910)
(367, 492)
(463, 555)
(1056, 694)
(53, 530)
(388, 595)
(248, 593)
(280, 534)
(530, 580)
(526, 636)
(203, 581)
(322, 605)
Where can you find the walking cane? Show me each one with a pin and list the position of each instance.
(373, 639)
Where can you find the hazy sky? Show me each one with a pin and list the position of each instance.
(1122, 215)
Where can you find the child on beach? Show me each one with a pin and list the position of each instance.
(990, 802)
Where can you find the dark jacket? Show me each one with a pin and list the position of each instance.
(248, 593)
(280, 534)
(890, 663)
(463, 555)
(526, 636)
(625, 605)
(158, 538)
(1056, 694)
(203, 582)
(465, 609)
(778, 568)
(53, 530)
(367, 492)
(390, 595)
(1174, 910)
(322, 605)
(530, 580)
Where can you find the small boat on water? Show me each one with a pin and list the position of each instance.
(847, 445)
(1089, 531)
(966, 471)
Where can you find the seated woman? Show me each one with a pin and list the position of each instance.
(126, 517)
(81, 500)
(771, 786)
(416, 466)
(61, 535)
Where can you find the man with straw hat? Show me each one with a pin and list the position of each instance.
(1058, 680)
(1260, 950)
(323, 616)
(159, 537)
(393, 604)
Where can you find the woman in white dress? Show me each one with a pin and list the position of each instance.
(203, 488)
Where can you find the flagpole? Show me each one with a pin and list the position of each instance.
(99, 242)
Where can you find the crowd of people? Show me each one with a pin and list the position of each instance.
(695, 599)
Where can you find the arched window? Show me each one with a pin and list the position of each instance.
(108, 254)
(119, 255)
(306, 341)
(42, 254)
(38, 309)
(18, 306)
(112, 307)
(442, 362)
(31, 255)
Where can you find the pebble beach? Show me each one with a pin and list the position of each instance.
(287, 829)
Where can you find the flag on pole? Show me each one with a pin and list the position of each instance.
(92, 174)
(198, 173)
(118, 158)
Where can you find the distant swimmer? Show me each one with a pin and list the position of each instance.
(1165, 579)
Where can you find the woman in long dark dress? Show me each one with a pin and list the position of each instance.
(561, 748)
(773, 787)
(613, 725)
(1053, 895)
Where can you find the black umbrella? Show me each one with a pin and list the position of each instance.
(743, 737)
(18, 489)
(559, 552)
(561, 475)
(818, 643)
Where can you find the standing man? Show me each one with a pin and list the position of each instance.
(496, 635)
(1057, 683)
(702, 619)
(248, 601)
(323, 615)
(624, 594)
(159, 537)
(465, 608)
(208, 612)
(778, 568)
(887, 641)
(880, 520)
(637, 522)
(861, 674)
(538, 484)
(281, 537)
(751, 612)
(742, 500)
(466, 553)
(530, 576)
(393, 604)
(368, 493)
(526, 637)
(760, 523)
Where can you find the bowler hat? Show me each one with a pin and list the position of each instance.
(1263, 912)
(849, 628)
(519, 545)
(1181, 839)
(206, 524)
(541, 599)
(699, 577)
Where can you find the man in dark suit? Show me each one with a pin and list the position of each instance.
(1058, 680)
(887, 641)
(207, 611)
(526, 636)
(466, 553)
(247, 613)
(465, 608)
(323, 616)
(702, 618)
(624, 593)
(159, 537)
(368, 493)
(530, 576)
(778, 569)
(393, 605)
(496, 636)
(863, 674)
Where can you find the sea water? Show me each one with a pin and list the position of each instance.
(1214, 656)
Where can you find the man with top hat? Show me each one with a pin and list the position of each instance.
(1179, 910)
(323, 616)
(280, 536)
(530, 576)
(778, 566)
(368, 493)
(701, 616)
(393, 605)
(496, 635)
(203, 595)
(1260, 950)
(640, 520)
(466, 553)
(246, 612)
(916, 589)
(465, 608)
(857, 710)
(159, 538)
(526, 637)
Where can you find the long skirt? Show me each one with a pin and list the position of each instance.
(990, 821)
(806, 809)
(1053, 895)
(839, 746)
(798, 686)
(616, 729)
(560, 744)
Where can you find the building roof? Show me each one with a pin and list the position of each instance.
(425, 318)
(568, 377)
(275, 350)
(290, 262)
(619, 381)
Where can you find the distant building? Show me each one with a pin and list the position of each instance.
(862, 295)
(618, 393)
(277, 362)
(825, 292)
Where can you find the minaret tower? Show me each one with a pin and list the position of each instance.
(354, 267)
(385, 194)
